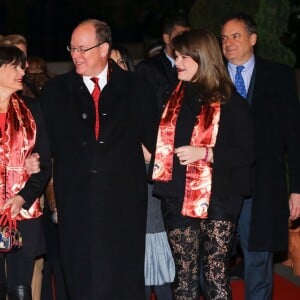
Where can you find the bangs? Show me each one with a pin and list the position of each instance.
(12, 55)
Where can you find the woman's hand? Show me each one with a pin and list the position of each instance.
(190, 154)
(32, 164)
(15, 203)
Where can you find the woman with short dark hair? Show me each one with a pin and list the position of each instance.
(21, 133)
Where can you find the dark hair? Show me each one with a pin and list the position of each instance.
(211, 78)
(248, 21)
(125, 56)
(103, 31)
(176, 20)
(12, 55)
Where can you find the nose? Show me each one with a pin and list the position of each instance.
(74, 53)
(22, 71)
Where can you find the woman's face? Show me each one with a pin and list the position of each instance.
(116, 56)
(186, 66)
(11, 78)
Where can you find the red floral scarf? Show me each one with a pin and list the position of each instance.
(16, 144)
(198, 174)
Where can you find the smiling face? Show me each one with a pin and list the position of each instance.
(186, 66)
(237, 42)
(92, 62)
(11, 77)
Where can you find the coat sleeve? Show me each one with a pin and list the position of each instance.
(35, 185)
(235, 141)
(148, 114)
(291, 119)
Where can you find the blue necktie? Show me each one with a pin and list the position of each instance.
(239, 81)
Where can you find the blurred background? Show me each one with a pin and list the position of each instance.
(47, 24)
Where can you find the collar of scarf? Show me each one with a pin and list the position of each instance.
(17, 143)
(198, 174)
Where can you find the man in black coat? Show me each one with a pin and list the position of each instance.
(100, 178)
(160, 69)
(272, 94)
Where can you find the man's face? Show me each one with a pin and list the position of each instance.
(93, 61)
(237, 42)
(167, 38)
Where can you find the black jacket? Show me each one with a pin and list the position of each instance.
(276, 116)
(233, 153)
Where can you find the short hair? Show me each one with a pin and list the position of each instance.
(171, 21)
(248, 21)
(13, 39)
(103, 31)
(211, 77)
(10, 54)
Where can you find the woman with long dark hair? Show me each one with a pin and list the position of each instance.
(202, 166)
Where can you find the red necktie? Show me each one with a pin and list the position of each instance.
(96, 94)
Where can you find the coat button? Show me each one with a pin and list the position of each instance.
(84, 143)
(84, 116)
(104, 114)
(93, 171)
(101, 142)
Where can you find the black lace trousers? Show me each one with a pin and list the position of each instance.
(194, 243)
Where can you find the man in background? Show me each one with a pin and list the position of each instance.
(160, 69)
(270, 89)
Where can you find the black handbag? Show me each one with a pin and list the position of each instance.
(10, 236)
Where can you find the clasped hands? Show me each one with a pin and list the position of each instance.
(32, 164)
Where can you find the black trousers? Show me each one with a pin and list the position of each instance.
(19, 269)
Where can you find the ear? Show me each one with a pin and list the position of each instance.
(104, 50)
(253, 39)
(166, 38)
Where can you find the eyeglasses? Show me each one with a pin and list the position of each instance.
(82, 50)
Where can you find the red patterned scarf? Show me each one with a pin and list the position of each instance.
(16, 144)
(198, 174)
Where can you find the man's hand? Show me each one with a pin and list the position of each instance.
(294, 203)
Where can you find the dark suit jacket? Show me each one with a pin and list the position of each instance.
(160, 74)
(276, 115)
(100, 186)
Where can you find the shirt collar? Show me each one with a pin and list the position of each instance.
(248, 65)
(171, 59)
(102, 80)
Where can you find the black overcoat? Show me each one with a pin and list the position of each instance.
(100, 186)
(276, 114)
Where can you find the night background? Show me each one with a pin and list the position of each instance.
(47, 24)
